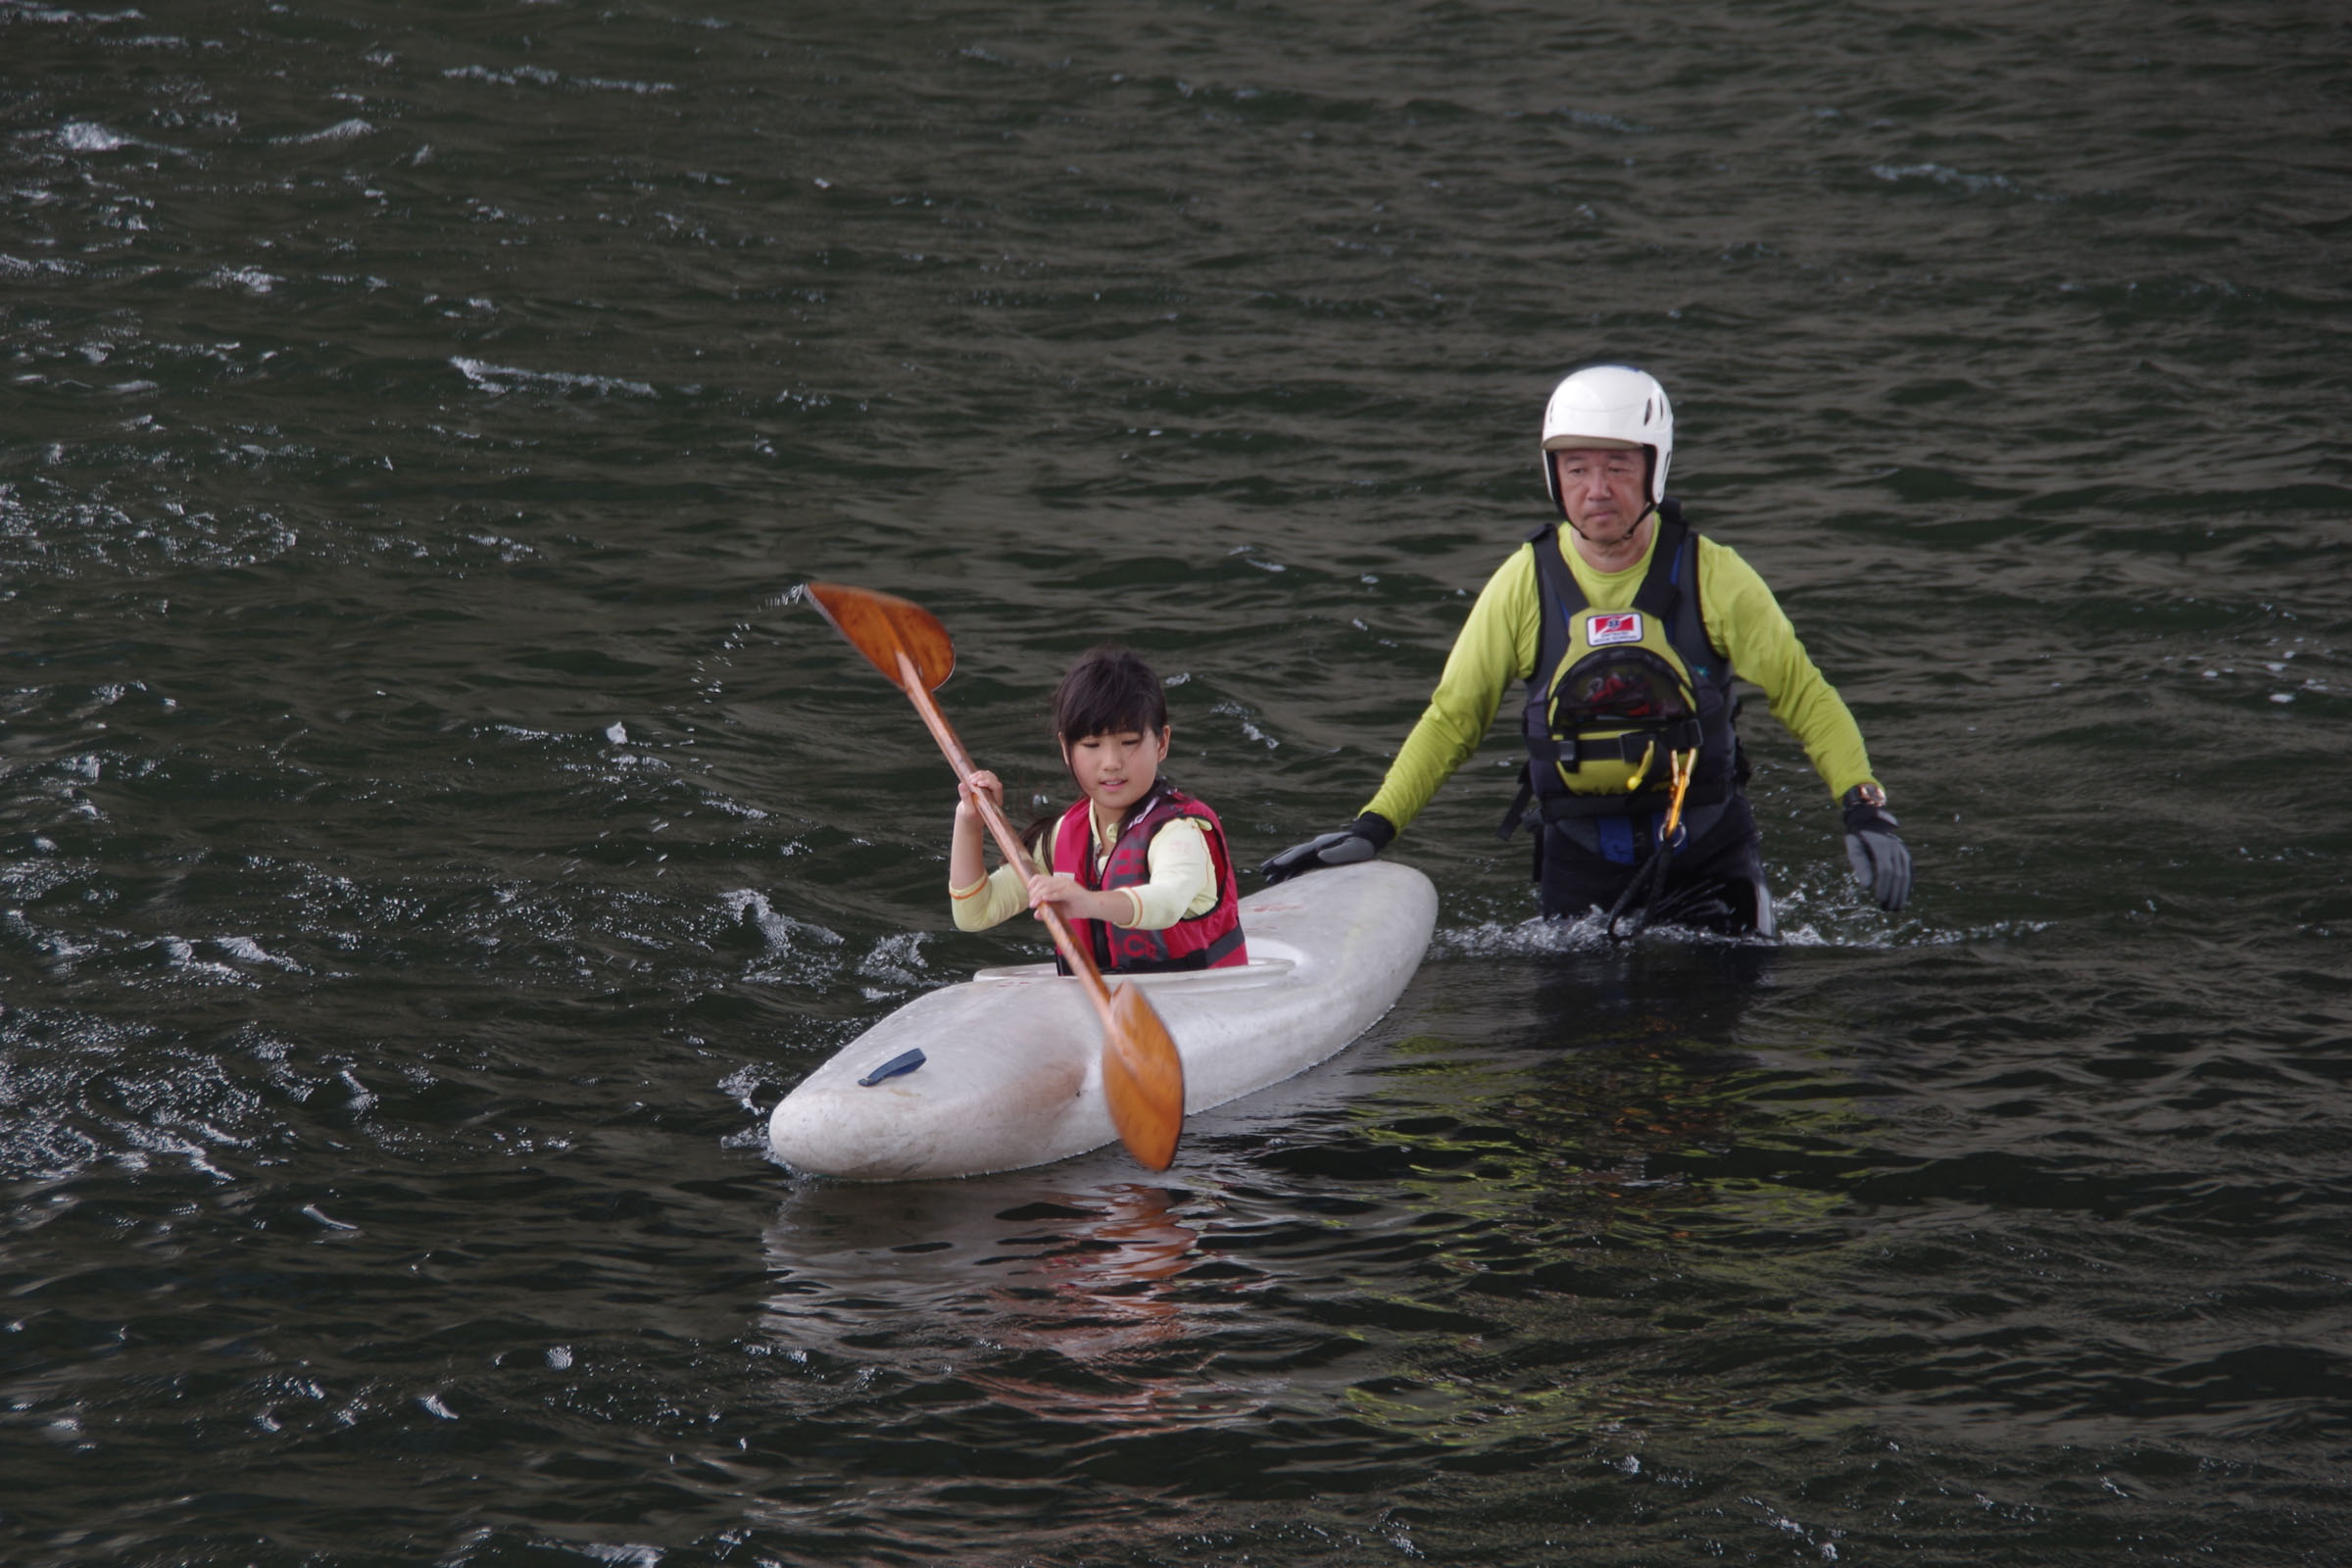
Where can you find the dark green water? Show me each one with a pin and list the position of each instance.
(428, 846)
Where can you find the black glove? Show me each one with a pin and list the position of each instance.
(1880, 861)
(1359, 840)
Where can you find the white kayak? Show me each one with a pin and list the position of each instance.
(1012, 1073)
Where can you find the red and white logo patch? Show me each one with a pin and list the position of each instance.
(1605, 630)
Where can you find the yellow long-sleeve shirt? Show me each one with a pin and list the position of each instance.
(1498, 647)
(1183, 881)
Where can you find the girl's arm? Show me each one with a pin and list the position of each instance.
(1077, 902)
(1183, 882)
(964, 864)
(1184, 878)
(980, 899)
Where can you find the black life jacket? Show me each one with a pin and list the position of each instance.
(1610, 689)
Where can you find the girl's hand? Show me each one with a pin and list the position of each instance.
(1057, 887)
(967, 866)
(1071, 897)
(982, 782)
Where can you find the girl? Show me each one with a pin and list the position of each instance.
(1137, 867)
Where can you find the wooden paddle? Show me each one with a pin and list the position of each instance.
(1143, 1077)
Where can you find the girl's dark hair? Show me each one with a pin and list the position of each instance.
(1107, 692)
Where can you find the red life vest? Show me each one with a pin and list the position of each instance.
(1212, 941)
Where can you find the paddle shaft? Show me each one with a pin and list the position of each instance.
(1009, 843)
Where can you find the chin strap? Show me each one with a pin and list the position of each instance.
(1648, 511)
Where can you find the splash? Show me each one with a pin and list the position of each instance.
(341, 130)
(88, 136)
(496, 378)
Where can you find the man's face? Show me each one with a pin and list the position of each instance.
(1605, 491)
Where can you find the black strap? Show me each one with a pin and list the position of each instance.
(1639, 803)
(1660, 594)
(1683, 735)
(1557, 600)
(1518, 810)
(1641, 895)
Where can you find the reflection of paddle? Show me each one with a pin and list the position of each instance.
(1143, 1077)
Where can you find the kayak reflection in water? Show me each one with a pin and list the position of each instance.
(1138, 867)
(1099, 1293)
(1626, 628)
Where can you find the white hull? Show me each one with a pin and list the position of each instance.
(1012, 1069)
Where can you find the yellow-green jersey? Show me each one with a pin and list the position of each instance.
(1499, 645)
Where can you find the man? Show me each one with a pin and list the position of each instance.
(1626, 628)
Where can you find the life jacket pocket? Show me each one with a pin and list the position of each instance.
(1617, 713)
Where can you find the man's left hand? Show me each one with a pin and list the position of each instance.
(1881, 862)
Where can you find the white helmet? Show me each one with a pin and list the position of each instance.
(1611, 406)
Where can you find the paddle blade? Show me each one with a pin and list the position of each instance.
(1143, 1079)
(882, 626)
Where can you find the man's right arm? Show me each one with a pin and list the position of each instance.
(1496, 645)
